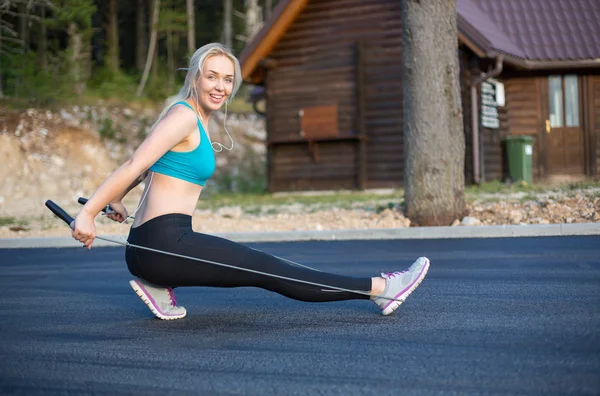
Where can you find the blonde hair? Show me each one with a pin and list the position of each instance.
(195, 69)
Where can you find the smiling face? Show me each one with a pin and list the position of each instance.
(215, 83)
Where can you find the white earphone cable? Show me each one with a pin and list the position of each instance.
(130, 216)
(221, 147)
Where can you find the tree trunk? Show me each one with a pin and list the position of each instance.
(79, 58)
(112, 41)
(170, 60)
(433, 128)
(154, 67)
(268, 9)
(43, 41)
(1, 77)
(153, 34)
(191, 27)
(141, 36)
(253, 19)
(23, 25)
(227, 31)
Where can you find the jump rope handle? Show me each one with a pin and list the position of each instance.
(107, 209)
(58, 211)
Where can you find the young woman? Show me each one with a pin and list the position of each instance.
(177, 158)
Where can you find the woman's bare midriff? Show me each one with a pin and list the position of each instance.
(165, 195)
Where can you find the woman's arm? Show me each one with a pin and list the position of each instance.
(168, 133)
(120, 211)
(171, 131)
(133, 185)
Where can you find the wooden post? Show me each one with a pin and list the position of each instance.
(542, 140)
(582, 88)
(270, 148)
(587, 106)
(362, 129)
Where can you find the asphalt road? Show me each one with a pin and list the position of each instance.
(494, 316)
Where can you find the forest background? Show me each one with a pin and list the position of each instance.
(56, 51)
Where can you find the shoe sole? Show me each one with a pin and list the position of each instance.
(393, 305)
(149, 301)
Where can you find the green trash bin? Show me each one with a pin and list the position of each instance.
(519, 150)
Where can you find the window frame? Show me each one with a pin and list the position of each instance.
(563, 105)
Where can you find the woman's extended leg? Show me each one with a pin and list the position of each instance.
(175, 272)
(173, 233)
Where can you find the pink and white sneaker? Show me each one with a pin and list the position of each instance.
(399, 285)
(160, 300)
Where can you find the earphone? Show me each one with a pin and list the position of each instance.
(218, 145)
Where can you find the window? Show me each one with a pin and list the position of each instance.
(556, 101)
(563, 112)
(571, 102)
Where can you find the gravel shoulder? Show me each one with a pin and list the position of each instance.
(552, 207)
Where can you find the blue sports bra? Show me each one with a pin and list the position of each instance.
(195, 166)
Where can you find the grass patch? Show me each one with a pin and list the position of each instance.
(583, 185)
(14, 224)
(497, 187)
(528, 198)
(254, 203)
(240, 105)
(7, 221)
(264, 203)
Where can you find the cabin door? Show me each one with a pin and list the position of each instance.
(563, 135)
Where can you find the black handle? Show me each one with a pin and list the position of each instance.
(57, 210)
(107, 209)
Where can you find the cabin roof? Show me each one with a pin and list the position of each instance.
(530, 34)
(535, 30)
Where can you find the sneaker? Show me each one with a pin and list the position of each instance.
(399, 285)
(160, 300)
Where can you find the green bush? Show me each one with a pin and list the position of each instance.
(25, 80)
(157, 87)
(107, 131)
(107, 84)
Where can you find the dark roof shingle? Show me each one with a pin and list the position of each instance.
(543, 30)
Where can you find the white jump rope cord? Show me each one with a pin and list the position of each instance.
(251, 270)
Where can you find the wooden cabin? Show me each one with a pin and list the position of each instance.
(331, 74)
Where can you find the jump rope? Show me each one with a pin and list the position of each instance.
(69, 220)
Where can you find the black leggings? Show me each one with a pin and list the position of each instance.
(173, 233)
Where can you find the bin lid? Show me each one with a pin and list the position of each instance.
(519, 138)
